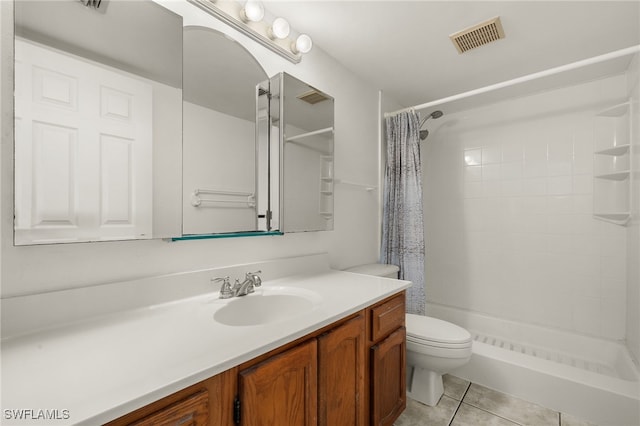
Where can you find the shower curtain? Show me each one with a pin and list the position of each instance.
(402, 223)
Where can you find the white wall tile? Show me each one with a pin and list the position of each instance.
(472, 189)
(586, 285)
(491, 171)
(512, 188)
(473, 157)
(492, 188)
(559, 185)
(535, 150)
(582, 184)
(559, 204)
(513, 151)
(582, 204)
(586, 315)
(561, 150)
(559, 167)
(613, 317)
(472, 173)
(534, 186)
(491, 154)
(534, 167)
(511, 170)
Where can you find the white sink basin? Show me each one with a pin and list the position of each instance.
(267, 306)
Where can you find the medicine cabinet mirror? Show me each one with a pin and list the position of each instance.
(302, 117)
(226, 186)
(98, 121)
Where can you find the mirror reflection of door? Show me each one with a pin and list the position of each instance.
(223, 187)
(84, 173)
(97, 123)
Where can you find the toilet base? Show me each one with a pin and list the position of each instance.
(424, 386)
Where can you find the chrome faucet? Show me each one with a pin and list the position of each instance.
(226, 292)
(251, 280)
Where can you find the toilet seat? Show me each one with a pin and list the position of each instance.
(428, 331)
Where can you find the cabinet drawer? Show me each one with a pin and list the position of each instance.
(192, 411)
(387, 317)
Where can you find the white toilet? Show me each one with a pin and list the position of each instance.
(434, 347)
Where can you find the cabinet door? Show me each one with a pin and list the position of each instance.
(282, 387)
(388, 380)
(341, 389)
(192, 411)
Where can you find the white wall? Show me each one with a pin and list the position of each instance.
(633, 231)
(508, 212)
(220, 152)
(26, 270)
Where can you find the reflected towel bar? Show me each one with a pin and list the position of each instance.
(197, 200)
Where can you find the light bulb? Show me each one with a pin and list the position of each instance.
(253, 10)
(279, 29)
(302, 44)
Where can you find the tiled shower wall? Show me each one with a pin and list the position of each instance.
(508, 212)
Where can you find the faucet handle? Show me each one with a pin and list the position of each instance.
(253, 276)
(226, 291)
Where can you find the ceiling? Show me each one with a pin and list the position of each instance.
(403, 47)
(110, 35)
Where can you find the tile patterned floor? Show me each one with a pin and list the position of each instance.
(469, 404)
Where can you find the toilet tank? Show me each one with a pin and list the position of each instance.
(376, 269)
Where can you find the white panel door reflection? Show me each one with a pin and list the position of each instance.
(83, 137)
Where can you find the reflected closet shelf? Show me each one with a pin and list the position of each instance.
(367, 188)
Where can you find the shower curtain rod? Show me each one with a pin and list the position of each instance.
(551, 71)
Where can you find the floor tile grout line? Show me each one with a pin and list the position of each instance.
(495, 415)
(482, 409)
(459, 404)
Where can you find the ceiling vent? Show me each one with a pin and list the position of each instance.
(478, 35)
(313, 97)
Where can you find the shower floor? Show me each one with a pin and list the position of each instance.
(547, 354)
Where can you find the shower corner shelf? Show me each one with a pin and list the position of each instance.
(616, 151)
(622, 175)
(616, 218)
(612, 165)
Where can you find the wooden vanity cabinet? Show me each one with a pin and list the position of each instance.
(341, 377)
(202, 404)
(350, 373)
(386, 338)
(281, 387)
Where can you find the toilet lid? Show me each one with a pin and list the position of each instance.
(430, 329)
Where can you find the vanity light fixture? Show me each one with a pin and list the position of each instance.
(249, 18)
(279, 29)
(303, 44)
(253, 11)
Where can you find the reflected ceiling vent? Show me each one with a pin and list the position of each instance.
(91, 3)
(478, 35)
(313, 97)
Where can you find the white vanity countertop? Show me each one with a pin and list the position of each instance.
(101, 368)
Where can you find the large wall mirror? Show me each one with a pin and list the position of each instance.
(226, 186)
(98, 121)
